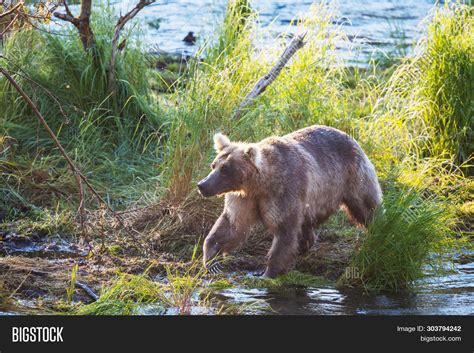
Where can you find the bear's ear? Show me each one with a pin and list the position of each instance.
(254, 154)
(221, 141)
(251, 152)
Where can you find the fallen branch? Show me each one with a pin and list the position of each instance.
(71, 164)
(295, 44)
(12, 10)
(87, 289)
(118, 28)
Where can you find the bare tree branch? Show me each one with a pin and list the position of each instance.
(67, 17)
(118, 28)
(12, 10)
(21, 16)
(82, 23)
(66, 7)
(295, 44)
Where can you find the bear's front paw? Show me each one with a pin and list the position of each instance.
(271, 273)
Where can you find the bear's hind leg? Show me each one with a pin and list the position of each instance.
(359, 210)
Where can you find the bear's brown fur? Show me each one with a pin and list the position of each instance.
(291, 184)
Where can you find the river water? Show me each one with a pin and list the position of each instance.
(449, 293)
(369, 25)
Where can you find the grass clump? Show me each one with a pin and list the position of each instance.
(182, 286)
(291, 279)
(106, 134)
(124, 296)
(179, 293)
(401, 239)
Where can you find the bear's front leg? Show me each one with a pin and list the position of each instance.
(306, 237)
(282, 253)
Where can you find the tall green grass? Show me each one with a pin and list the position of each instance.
(112, 137)
(306, 92)
(432, 94)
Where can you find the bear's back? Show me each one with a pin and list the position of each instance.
(328, 145)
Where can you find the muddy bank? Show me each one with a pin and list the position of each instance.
(37, 271)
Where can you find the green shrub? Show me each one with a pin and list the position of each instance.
(403, 236)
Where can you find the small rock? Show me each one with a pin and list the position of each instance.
(52, 247)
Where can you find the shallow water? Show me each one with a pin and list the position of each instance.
(15, 244)
(450, 294)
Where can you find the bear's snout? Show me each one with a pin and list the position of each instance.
(204, 188)
(211, 185)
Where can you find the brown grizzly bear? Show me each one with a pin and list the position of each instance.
(291, 184)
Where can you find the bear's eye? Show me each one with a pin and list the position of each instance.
(225, 169)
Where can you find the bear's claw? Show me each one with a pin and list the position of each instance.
(215, 268)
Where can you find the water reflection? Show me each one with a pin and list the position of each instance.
(452, 294)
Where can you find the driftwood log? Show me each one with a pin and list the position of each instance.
(295, 44)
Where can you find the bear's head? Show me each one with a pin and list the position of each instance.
(234, 168)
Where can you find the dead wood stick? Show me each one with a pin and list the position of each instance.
(13, 9)
(71, 164)
(12, 22)
(87, 289)
(295, 44)
(118, 29)
(77, 173)
(66, 7)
